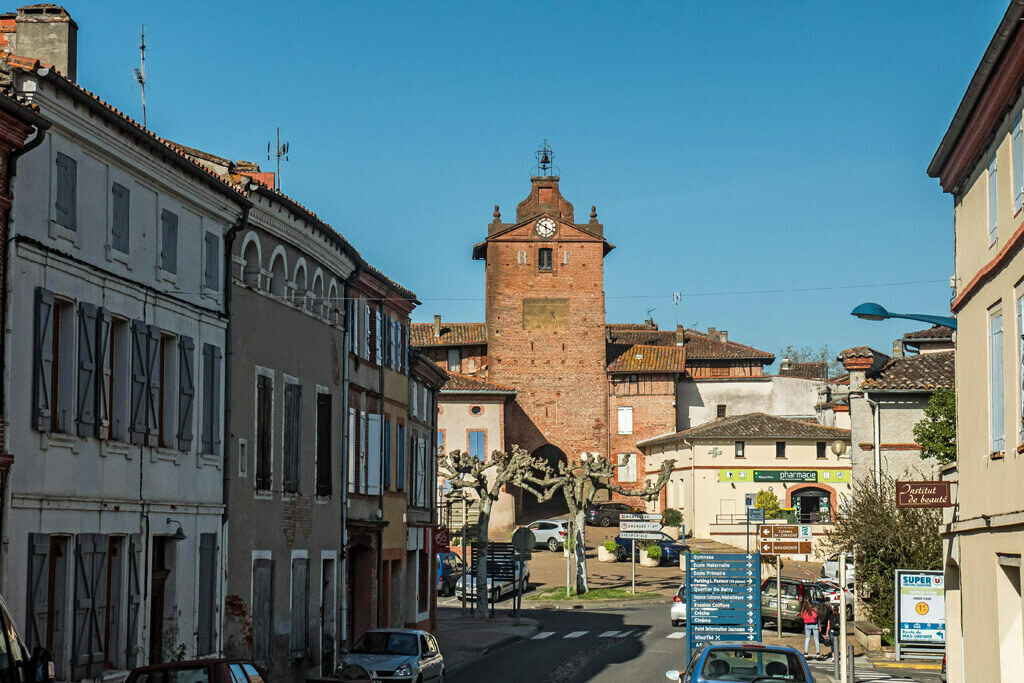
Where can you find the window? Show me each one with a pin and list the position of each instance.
(780, 449)
(821, 450)
(373, 464)
(740, 446)
(66, 203)
(264, 417)
(62, 349)
(477, 444)
(169, 241)
(353, 306)
(476, 410)
(211, 264)
(299, 635)
(118, 380)
(721, 410)
(205, 633)
(993, 200)
(168, 390)
(454, 360)
(400, 459)
(626, 420)
(378, 338)
(243, 458)
(627, 467)
(996, 381)
(291, 437)
(211, 401)
(324, 485)
(544, 259)
(352, 437)
(1018, 165)
(119, 217)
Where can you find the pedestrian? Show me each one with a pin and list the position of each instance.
(832, 629)
(809, 614)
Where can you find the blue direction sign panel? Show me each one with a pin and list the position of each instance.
(723, 598)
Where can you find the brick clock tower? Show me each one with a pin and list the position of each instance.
(546, 321)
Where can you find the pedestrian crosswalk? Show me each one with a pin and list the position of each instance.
(862, 676)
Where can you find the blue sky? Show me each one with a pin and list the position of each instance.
(729, 147)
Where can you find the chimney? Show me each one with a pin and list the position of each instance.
(897, 348)
(713, 333)
(437, 326)
(47, 33)
(784, 365)
(680, 335)
(723, 335)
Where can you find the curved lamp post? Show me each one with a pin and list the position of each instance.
(873, 311)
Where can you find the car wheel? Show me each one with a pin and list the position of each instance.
(605, 521)
(553, 545)
(620, 554)
(525, 586)
(675, 622)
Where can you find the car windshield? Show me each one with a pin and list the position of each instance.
(740, 664)
(386, 643)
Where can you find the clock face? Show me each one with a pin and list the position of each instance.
(546, 227)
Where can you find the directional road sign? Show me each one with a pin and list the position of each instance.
(723, 595)
(784, 531)
(640, 535)
(639, 517)
(639, 526)
(784, 539)
(782, 547)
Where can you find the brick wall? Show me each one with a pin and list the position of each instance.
(654, 414)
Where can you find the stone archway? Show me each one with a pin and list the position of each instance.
(814, 503)
(527, 507)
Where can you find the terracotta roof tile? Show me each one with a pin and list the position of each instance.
(699, 346)
(928, 371)
(645, 358)
(810, 370)
(860, 352)
(753, 426)
(452, 334)
(467, 383)
(934, 332)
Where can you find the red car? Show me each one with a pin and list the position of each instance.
(199, 671)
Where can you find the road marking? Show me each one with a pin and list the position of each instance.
(677, 634)
(625, 633)
(541, 636)
(608, 634)
(576, 634)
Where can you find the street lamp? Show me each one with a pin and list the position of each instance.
(873, 311)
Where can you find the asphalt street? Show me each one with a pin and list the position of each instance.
(611, 646)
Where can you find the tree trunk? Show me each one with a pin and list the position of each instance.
(580, 550)
(482, 522)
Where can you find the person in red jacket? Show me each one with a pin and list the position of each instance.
(809, 614)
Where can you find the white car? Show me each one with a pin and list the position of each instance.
(679, 606)
(550, 533)
(831, 591)
(830, 569)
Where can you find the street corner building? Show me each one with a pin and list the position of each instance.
(546, 371)
(980, 162)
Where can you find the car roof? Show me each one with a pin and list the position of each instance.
(552, 521)
(754, 647)
(410, 631)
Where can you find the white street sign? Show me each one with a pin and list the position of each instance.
(640, 535)
(638, 517)
(639, 526)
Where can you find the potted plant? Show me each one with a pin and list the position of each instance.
(650, 556)
(606, 552)
(672, 523)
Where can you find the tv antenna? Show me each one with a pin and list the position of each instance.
(676, 296)
(140, 73)
(280, 150)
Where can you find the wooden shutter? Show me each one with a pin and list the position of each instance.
(186, 391)
(153, 385)
(1018, 165)
(42, 385)
(996, 381)
(351, 436)
(207, 596)
(38, 590)
(367, 328)
(378, 341)
(299, 637)
(140, 382)
(353, 309)
(262, 610)
(214, 405)
(324, 483)
(373, 454)
(113, 575)
(90, 606)
(119, 224)
(292, 438)
(207, 414)
(363, 443)
(211, 264)
(993, 200)
(263, 426)
(67, 204)
(134, 597)
(169, 241)
(400, 459)
(387, 454)
(103, 373)
(85, 403)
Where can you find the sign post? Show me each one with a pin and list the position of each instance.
(786, 539)
(920, 613)
(723, 598)
(778, 595)
(638, 526)
(841, 659)
(755, 515)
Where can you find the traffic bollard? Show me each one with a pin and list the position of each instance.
(852, 676)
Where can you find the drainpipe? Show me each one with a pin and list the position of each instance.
(229, 238)
(876, 432)
(693, 489)
(346, 436)
(380, 464)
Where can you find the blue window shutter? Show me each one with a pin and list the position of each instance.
(387, 454)
(400, 460)
(996, 380)
(1018, 165)
(993, 200)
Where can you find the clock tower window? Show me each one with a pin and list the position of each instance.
(544, 259)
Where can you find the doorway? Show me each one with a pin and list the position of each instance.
(162, 600)
(328, 612)
(813, 505)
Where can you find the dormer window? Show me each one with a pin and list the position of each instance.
(544, 259)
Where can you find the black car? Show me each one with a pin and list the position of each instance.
(450, 569)
(671, 548)
(606, 514)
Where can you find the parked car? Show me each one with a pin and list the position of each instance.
(450, 569)
(792, 593)
(199, 671)
(606, 514)
(671, 548)
(830, 569)
(833, 593)
(734, 661)
(497, 590)
(678, 609)
(16, 664)
(396, 654)
(550, 533)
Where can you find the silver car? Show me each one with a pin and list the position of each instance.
(679, 606)
(499, 590)
(550, 533)
(397, 654)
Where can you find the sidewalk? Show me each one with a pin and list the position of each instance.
(464, 638)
